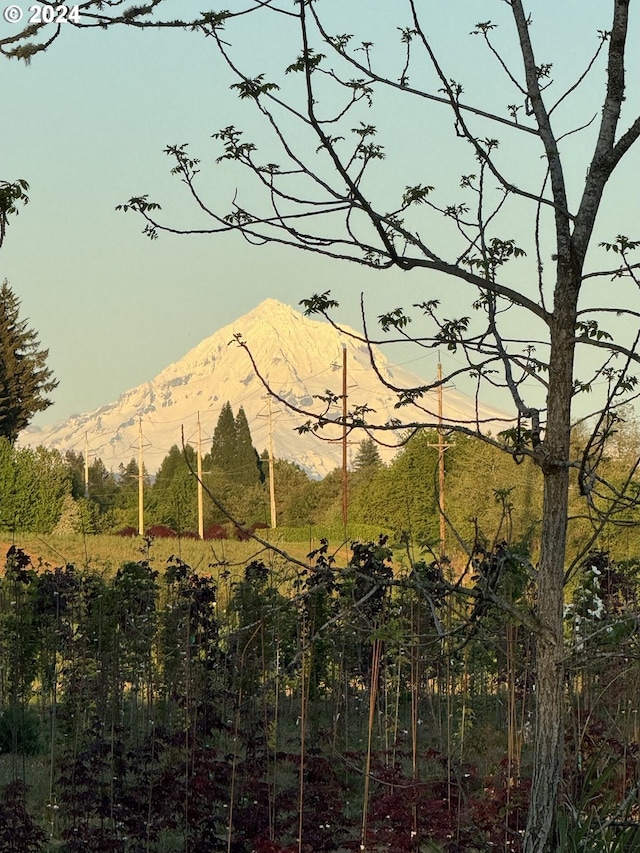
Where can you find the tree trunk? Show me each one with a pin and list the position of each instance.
(540, 836)
(548, 753)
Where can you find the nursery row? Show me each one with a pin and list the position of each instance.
(294, 705)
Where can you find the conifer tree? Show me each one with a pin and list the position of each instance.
(232, 449)
(175, 490)
(223, 447)
(24, 376)
(247, 459)
(368, 456)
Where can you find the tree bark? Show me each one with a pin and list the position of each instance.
(540, 835)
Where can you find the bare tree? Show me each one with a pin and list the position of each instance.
(332, 169)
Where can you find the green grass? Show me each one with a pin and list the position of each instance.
(106, 553)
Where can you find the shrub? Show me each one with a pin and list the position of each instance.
(160, 531)
(18, 829)
(127, 531)
(19, 731)
(216, 531)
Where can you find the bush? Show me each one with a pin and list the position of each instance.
(127, 531)
(19, 731)
(216, 531)
(161, 531)
(18, 829)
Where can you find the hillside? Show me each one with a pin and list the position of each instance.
(298, 357)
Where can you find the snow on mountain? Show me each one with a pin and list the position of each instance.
(298, 357)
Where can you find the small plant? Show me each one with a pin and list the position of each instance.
(19, 832)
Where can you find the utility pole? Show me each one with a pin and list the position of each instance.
(86, 465)
(140, 484)
(441, 449)
(200, 499)
(344, 438)
(272, 485)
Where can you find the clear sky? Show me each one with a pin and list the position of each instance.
(86, 124)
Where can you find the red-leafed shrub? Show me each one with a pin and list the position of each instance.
(161, 531)
(216, 531)
(127, 531)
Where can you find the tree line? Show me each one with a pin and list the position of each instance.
(487, 497)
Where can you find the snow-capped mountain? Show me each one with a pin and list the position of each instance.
(298, 358)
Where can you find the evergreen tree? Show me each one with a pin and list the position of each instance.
(125, 499)
(403, 496)
(249, 470)
(296, 497)
(232, 450)
(103, 486)
(368, 456)
(75, 461)
(175, 490)
(24, 376)
(223, 447)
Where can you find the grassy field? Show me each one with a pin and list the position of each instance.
(105, 554)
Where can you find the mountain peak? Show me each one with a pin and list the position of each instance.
(299, 358)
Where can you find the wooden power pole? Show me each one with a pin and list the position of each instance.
(140, 484)
(272, 485)
(86, 465)
(441, 449)
(200, 497)
(344, 438)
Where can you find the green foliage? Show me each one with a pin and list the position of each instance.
(124, 497)
(370, 564)
(103, 486)
(315, 533)
(232, 450)
(254, 88)
(223, 448)
(488, 497)
(598, 820)
(368, 457)
(265, 631)
(24, 376)
(18, 634)
(20, 731)
(135, 592)
(402, 496)
(320, 604)
(248, 466)
(151, 674)
(33, 488)
(81, 516)
(174, 493)
(192, 661)
(11, 195)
